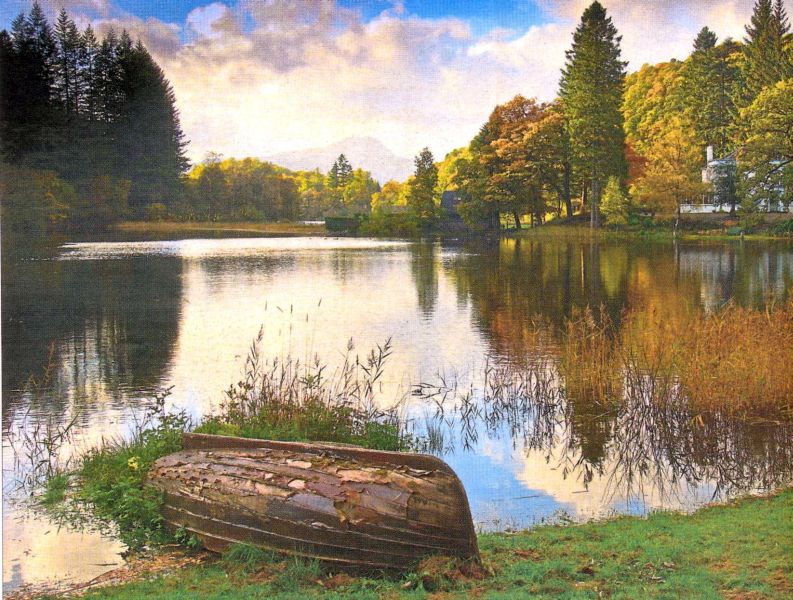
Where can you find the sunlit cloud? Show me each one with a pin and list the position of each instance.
(259, 78)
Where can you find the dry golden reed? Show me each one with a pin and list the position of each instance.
(737, 360)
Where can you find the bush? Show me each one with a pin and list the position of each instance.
(783, 228)
(111, 476)
(397, 225)
(156, 211)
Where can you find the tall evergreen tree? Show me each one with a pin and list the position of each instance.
(150, 131)
(340, 173)
(710, 80)
(68, 84)
(421, 194)
(705, 40)
(89, 52)
(591, 92)
(29, 119)
(765, 59)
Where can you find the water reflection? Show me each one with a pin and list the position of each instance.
(633, 456)
(124, 318)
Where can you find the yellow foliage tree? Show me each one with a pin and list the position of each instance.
(672, 174)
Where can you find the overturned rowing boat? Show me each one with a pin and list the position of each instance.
(340, 504)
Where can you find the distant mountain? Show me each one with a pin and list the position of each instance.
(363, 152)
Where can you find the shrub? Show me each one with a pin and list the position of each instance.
(156, 212)
(111, 476)
(397, 225)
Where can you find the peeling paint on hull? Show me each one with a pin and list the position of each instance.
(343, 505)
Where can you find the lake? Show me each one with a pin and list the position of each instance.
(107, 324)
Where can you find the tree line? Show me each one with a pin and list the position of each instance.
(91, 134)
(624, 145)
(91, 123)
(253, 190)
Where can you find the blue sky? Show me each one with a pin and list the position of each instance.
(483, 15)
(260, 77)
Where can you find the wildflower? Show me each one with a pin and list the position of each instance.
(133, 464)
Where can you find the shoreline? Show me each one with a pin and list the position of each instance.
(549, 230)
(166, 227)
(740, 548)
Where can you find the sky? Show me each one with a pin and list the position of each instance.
(259, 77)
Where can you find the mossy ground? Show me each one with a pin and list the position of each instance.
(740, 550)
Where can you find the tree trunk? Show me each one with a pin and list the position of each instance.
(594, 211)
(568, 202)
(516, 214)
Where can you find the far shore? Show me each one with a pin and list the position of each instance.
(165, 227)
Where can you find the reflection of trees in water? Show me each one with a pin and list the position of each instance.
(747, 273)
(651, 444)
(424, 268)
(508, 282)
(112, 325)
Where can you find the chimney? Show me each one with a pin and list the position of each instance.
(709, 153)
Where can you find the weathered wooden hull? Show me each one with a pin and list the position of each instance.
(344, 505)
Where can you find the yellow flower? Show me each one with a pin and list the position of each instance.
(132, 463)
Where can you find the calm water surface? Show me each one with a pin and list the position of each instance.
(118, 320)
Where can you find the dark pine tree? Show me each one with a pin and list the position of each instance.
(150, 135)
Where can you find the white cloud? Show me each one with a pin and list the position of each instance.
(267, 77)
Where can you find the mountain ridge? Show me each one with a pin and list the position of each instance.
(363, 152)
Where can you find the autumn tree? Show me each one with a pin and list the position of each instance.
(616, 203)
(391, 196)
(591, 92)
(652, 95)
(535, 151)
(672, 173)
(358, 192)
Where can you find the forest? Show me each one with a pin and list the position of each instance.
(91, 135)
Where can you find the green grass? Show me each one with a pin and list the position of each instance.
(740, 550)
(707, 227)
(55, 489)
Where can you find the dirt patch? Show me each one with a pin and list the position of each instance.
(337, 581)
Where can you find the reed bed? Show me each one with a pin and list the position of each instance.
(735, 360)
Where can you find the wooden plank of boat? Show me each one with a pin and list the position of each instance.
(341, 504)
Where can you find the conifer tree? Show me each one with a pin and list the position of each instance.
(765, 58)
(421, 195)
(710, 79)
(591, 92)
(340, 173)
(67, 64)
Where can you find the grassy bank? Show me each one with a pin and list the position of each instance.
(713, 227)
(739, 550)
(176, 227)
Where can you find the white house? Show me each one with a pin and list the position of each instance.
(722, 174)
